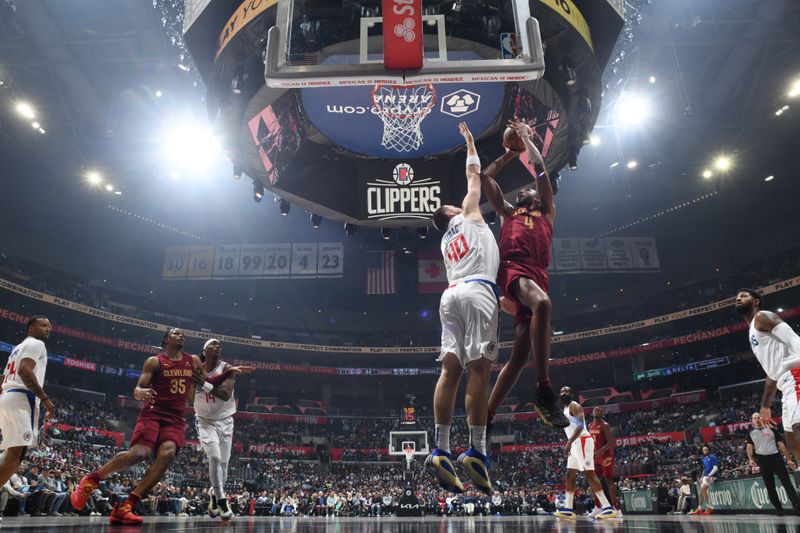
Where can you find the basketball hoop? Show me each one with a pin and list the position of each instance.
(402, 108)
(409, 453)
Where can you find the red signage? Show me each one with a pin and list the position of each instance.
(402, 34)
(635, 440)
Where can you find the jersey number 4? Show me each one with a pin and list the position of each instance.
(457, 249)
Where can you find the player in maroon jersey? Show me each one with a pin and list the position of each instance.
(604, 456)
(525, 234)
(165, 387)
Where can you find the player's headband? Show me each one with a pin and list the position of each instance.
(208, 342)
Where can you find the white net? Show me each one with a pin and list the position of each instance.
(409, 454)
(402, 108)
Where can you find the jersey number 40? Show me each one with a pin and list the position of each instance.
(457, 249)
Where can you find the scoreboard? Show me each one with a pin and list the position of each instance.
(235, 261)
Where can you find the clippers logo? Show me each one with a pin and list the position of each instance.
(460, 103)
(403, 174)
(27, 436)
(403, 197)
(406, 30)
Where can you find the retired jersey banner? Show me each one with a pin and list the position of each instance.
(431, 272)
(608, 255)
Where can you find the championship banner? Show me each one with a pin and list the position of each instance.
(245, 13)
(402, 34)
(257, 343)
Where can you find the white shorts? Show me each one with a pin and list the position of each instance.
(19, 419)
(219, 432)
(581, 456)
(790, 411)
(708, 480)
(470, 315)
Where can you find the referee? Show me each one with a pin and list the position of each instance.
(764, 448)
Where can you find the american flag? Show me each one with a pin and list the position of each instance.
(304, 59)
(381, 273)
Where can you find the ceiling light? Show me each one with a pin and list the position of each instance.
(794, 90)
(594, 140)
(652, 79)
(632, 109)
(258, 191)
(780, 309)
(285, 207)
(237, 172)
(615, 164)
(707, 173)
(386, 233)
(158, 94)
(110, 188)
(183, 67)
(94, 177)
(35, 125)
(316, 220)
(769, 178)
(25, 110)
(632, 164)
(191, 147)
(781, 111)
(422, 232)
(42, 131)
(722, 163)
(118, 193)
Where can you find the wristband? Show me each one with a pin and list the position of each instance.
(473, 160)
(208, 387)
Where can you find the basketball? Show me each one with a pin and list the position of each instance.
(512, 141)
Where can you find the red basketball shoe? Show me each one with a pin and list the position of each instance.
(123, 514)
(81, 494)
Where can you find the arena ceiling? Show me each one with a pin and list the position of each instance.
(106, 81)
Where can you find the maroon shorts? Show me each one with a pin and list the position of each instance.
(152, 431)
(509, 272)
(604, 467)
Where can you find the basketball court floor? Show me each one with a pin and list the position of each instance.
(705, 524)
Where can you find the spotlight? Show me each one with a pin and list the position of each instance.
(258, 191)
(569, 72)
(769, 178)
(350, 229)
(422, 232)
(707, 173)
(794, 90)
(35, 125)
(491, 217)
(110, 188)
(25, 110)
(158, 94)
(594, 140)
(237, 172)
(723, 163)
(652, 79)
(632, 164)
(285, 207)
(94, 177)
(632, 108)
(316, 220)
(386, 233)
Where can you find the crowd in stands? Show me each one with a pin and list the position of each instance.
(283, 484)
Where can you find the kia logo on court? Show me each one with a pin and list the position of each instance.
(460, 103)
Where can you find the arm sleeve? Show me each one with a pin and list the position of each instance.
(778, 435)
(749, 439)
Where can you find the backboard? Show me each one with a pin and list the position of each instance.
(400, 440)
(327, 43)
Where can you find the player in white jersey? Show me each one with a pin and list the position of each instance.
(777, 348)
(469, 312)
(22, 396)
(214, 407)
(579, 452)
